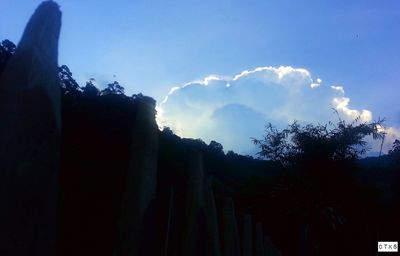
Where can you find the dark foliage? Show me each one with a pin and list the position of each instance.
(113, 88)
(321, 187)
(331, 141)
(68, 84)
(395, 151)
(90, 90)
(216, 148)
(7, 49)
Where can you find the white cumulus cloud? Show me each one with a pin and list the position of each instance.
(342, 105)
(231, 110)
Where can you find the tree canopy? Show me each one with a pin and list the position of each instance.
(113, 88)
(7, 49)
(330, 141)
(68, 84)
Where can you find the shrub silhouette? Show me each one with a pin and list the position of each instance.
(330, 141)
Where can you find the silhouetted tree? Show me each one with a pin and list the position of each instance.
(216, 148)
(395, 151)
(137, 96)
(231, 153)
(113, 88)
(68, 84)
(331, 141)
(90, 89)
(142, 98)
(167, 131)
(319, 182)
(7, 49)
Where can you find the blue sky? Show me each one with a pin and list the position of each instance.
(152, 45)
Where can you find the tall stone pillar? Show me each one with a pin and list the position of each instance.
(231, 234)
(141, 179)
(259, 239)
(30, 138)
(192, 176)
(212, 220)
(247, 236)
(304, 239)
